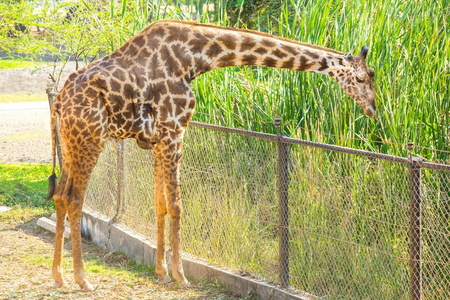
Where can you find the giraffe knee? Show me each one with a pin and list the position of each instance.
(60, 205)
(175, 210)
(64, 196)
(161, 210)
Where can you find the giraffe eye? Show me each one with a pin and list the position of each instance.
(359, 80)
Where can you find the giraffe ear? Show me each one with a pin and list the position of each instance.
(363, 52)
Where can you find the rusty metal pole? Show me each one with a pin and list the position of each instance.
(283, 186)
(415, 246)
(120, 183)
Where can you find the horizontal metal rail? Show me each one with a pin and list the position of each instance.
(347, 150)
(434, 166)
(265, 136)
(288, 140)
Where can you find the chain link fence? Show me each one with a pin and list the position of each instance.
(335, 222)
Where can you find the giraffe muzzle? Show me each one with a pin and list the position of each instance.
(371, 112)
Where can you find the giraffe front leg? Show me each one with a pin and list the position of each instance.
(171, 178)
(161, 211)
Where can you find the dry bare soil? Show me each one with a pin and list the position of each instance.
(26, 253)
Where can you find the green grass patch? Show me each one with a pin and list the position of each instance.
(25, 185)
(45, 258)
(118, 266)
(122, 267)
(25, 214)
(16, 64)
(23, 97)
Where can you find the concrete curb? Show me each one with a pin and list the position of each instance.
(117, 237)
(50, 225)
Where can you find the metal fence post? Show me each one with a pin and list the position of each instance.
(415, 247)
(283, 186)
(120, 182)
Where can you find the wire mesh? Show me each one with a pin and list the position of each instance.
(435, 195)
(348, 217)
(349, 225)
(101, 194)
(230, 199)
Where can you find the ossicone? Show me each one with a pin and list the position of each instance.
(363, 52)
(348, 56)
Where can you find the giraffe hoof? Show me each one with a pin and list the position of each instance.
(59, 284)
(163, 279)
(86, 286)
(184, 283)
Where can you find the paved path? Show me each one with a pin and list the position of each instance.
(25, 105)
(25, 132)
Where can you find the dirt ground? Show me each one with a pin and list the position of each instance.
(26, 251)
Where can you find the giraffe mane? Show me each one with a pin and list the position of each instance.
(253, 32)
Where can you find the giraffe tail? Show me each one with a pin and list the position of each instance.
(52, 178)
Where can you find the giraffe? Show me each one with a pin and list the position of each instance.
(142, 91)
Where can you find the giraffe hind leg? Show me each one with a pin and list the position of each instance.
(69, 198)
(80, 172)
(61, 211)
(75, 210)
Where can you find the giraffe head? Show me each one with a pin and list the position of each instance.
(357, 81)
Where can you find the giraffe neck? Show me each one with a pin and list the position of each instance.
(209, 47)
(238, 48)
(177, 49)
